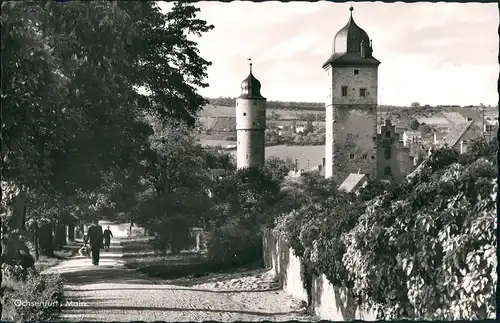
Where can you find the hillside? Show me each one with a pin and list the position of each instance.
(223, 117)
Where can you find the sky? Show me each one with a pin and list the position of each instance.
(431, 53)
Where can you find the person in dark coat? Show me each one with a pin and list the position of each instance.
(94, 237)
(107, 238)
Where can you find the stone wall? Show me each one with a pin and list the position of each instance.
(328, 302)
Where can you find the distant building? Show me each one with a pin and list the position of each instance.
(459, 136)
(250, 123)
(441, 124)
(394, 160)
(411, 136)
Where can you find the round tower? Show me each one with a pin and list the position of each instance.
(250, 123)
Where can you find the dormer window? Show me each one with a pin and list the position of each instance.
(344, 91)
(351, 156)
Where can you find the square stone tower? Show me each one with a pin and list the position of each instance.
(351, 105)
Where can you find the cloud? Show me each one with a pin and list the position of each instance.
(431, 52)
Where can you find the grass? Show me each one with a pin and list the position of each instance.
(186, 268)
(305, 155)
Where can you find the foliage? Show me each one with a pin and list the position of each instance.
(246, 196)
(278, 167)
(75, 129)
(42, 296)
(232, 245)
(421, 249)
(172, 233)
(414, 124)
(282, 105)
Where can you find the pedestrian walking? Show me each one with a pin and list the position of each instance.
(107, 238)
(94, 237)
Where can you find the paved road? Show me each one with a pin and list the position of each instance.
(110, 292)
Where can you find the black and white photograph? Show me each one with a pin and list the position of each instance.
(248, 161)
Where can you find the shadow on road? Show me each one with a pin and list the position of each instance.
(171, 288)
(78, 310)
(103, 274)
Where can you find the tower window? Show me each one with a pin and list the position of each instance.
(244, 113)
(388, 134)
(362, 92)
(236, 103)
(365, 156)
(351, 156)
(344, 91)
(373, 157)
(387, 153)
(356, 72)
(247, 156)
(387, 171)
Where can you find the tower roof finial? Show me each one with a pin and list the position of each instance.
(351, 8)
(250, 60)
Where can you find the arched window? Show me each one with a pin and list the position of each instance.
(387, 171)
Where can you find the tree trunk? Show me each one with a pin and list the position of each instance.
(13, 243)
(35, 242)
(46, 240)
(60, 235)
(71, 232)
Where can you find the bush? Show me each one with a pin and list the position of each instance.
(233, 246)
(42, 296)
(174, 234)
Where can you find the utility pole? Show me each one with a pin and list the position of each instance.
(484, 130)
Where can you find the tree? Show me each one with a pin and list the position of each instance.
(414, 124)
(415, 105)
(278, 167)
(73, 69)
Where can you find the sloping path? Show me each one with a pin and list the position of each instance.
(111, 292)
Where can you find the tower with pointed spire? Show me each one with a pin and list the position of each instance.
(250, 123)
(351, 104)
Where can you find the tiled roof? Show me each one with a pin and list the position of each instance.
(453, 137)
(454, 117)
(434, 121)
(351, 181)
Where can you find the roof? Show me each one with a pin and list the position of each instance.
(348, 59)
(454, 117)
(351, 182)
(413, 133)
(453, 137)
(349, 43)
(434, 121)
(250, 87)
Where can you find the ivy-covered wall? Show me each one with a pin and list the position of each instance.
(327, 302)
